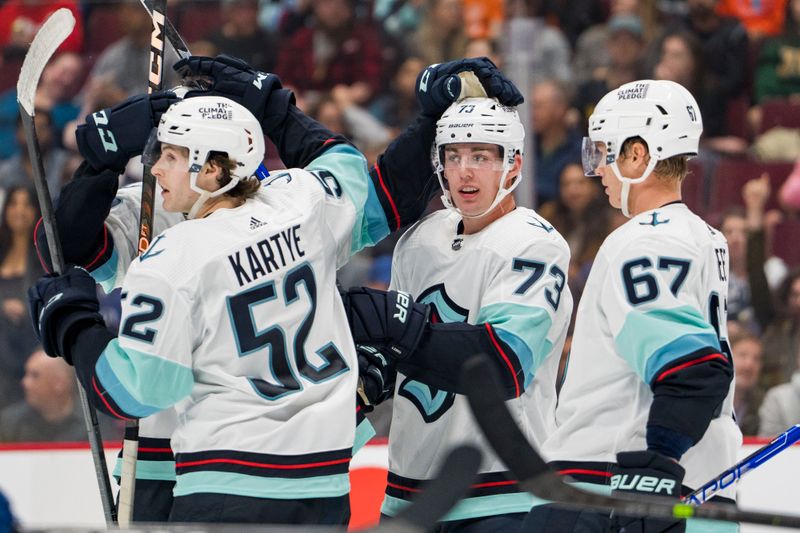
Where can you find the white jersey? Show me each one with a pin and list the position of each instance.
(512, 275)
(656, 293)
(236, 320)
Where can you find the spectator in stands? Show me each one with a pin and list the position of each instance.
(398, 107)
(557, 145)
(398, 18)
(440, 36)
(18, 169)
(20, 20)
(781, 406)
(782, 338)
(336, 49)
(55, 92)
(542, 50)
(625, 47)
(777, 73)
(124, 64)
(49, 411)
(591, 50)
(747, 353)
(19, 268)
(240, 36)
(582, 215)
(483, 19)
(761, 18)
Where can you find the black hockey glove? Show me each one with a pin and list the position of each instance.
(110, 137)
(388, 320)
(438, 86)
(80, 216)
(61, 306)
(259, 92)
(647, 472)
(376, 377)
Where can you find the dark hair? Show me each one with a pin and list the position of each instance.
(6, 236)
(785, 289)
(244, 189)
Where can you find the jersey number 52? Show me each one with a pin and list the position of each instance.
(250, 340)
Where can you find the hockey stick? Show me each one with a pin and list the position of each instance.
(451, 483)
(49, 37)
(751, 462)
(173, 36)
(481, 381)
(130, 444)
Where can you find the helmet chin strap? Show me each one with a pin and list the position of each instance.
(502, 192)
(627, 182)
(204, 194)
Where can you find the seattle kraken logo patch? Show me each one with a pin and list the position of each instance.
(654, 221)
(431, 402)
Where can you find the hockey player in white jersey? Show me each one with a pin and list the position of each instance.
(398, 188)
(494, 275)
(647, 400)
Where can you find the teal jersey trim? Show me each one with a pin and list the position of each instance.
(649, 340)
(364, 432)
(525, 329)
(423, 393)
(498, 504)
(349, 168)
(140, 383)
(446, 313)
(262, 487)
(153, 470)
(106, 274)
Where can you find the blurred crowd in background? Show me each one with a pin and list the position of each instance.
(353, 66)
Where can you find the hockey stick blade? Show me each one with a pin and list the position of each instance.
(451, 483)
(47, 40)
(482, 385)
(50, 36)
(751, 462)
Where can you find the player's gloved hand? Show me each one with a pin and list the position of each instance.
(110, 137)
(83, 206)
(376, 376)
(389, 320)
(647, 472)
(261, 93)
(61, 306)
(438, 85)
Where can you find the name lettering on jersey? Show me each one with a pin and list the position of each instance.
(150, 252)
(539, 223)
(654, 220)
(267, 255)
(641, 483)
(402, 306)
(637, 92)
(722, 258)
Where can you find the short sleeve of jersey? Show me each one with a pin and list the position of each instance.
(342, 172)
(123, 228)
(527, 300)
(653, 301)
(148, 367)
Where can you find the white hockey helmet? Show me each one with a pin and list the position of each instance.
(661, 112)
(207, 124)
(479, 120)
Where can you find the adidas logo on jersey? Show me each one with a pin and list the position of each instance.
(255, 223)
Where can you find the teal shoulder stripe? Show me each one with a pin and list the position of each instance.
(364, 432)
(349, 167)
(106, 274)
(141, 383)
(649, 340)
(262, 487)
(155, 470)
(518, 502)
(524, 328)
(423, 393)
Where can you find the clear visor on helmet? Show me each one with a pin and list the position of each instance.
(455, 157)
(152, 149)
(592, 156)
